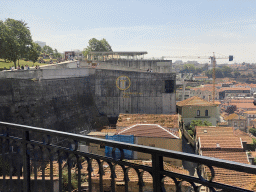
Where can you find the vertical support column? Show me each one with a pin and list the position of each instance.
(26, 163)
(157, 166)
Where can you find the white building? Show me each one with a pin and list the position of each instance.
(40, 43)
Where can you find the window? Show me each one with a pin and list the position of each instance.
(169, 86)
(102, 146)
(206, 112)
(198, 113)
(235, 124)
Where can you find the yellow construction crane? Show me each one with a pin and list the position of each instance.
(213, 65)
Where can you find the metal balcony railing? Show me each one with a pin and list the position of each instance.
(26, 151)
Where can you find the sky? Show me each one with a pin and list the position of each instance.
(162, 27)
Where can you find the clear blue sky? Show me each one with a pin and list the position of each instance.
(162, 27)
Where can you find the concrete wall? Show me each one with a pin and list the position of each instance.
(47, 73)
(52, 97)
(60, 104)
(133, 92)
(164, 143)
(159, 66)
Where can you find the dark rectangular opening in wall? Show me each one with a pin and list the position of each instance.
(169, 86)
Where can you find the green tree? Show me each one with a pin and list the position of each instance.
(33, 53)
(47, 50)
(218, 73)
(188, 68)
(1, 38)
(106, 44)
(9, 47)
(97, 45)
(194, 123)
(198, 70)
(253, 131)
(237, 74)
(227, 71)
(56, 54)
(21, 39)
(39, 48)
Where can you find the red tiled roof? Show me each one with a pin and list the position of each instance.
(222, 142)
(213, 131)
(194, 101)
(240, 157)
(241, 101)
(148, 130)
(234, 116)
(250, 112)
(200, 77)
(132, 174)
(244, 136)
(230, 177)
(244, 105)
(218, 137)
(164, 120)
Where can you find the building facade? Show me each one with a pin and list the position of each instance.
(196, 108)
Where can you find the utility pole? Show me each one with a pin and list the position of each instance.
(213, 77)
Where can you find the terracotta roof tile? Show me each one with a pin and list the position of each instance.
(194, 101)
(221, 142)
(164, 120)
(235, 88)
(244, 136)
(250, 112)
(218, 138)
(234, 116)
(244, 105)
(230, 177)
(149, 130)
(147, 178)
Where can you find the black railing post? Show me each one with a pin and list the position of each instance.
(26, 163)
(157, 166)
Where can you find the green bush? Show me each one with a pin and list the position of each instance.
(194, 123)
(253, 131)
(74, 181)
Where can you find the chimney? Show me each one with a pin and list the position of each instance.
(251, 160)
(244, 144)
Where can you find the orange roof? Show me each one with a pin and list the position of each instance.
(164, 120)
(241, 101)
(200, 77)
(234, 116)
(240, 157)
(230, 177)
(194, 101)
(203, 88)
(250, 112)
(234, 88)
(229, 148)
(213, 131)
(244, 105)
(220, 142)
(132, 174)
(244, 136)
(218, 137)
(217, 102)
(149, 130)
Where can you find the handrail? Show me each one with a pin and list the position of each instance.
(157, 154)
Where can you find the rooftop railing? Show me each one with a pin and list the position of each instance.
(26, 151)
